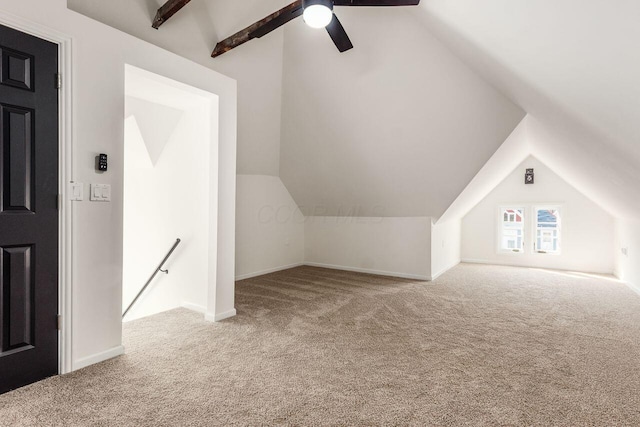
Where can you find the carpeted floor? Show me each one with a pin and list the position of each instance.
(480, 346)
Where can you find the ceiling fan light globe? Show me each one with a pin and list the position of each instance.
(317, 16)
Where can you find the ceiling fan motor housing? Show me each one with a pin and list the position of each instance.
(326, 3)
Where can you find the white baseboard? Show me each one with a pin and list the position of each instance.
(99, 357)
(367, 271)
(486, 262)
(633, 287)
(267, 271)
(210, 317)
(515, 264)
(194, 307)
(444, 270)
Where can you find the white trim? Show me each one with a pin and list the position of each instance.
(508, 264)
(487, 262)
(268, 271)
(444, 270)
(210, 317)
(194, 307)
(99, 357)
(368, 271)
(65, 163)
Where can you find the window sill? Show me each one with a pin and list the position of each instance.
(510, 252)
(547, 253)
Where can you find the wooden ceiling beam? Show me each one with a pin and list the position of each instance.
(260, 28)
(169, 9)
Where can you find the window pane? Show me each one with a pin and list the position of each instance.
(512, 230)
(547, 230)
(548, 218)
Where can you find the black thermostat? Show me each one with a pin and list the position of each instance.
(102, 163)
(529, 177)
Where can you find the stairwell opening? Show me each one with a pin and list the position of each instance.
(167, 194)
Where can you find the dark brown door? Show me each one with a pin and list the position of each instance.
(28, 209)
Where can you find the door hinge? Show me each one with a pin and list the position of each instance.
(59, 322)
(58, 81)
(59, 201)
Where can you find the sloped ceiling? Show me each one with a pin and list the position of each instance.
(511, 153)
(136, 153)
(574, 66)
(397, 126)
(156, 124)
(531, 138)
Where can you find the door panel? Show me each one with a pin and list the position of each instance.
(17, 139)
(28, 209)
(17, 69)
(17, 290)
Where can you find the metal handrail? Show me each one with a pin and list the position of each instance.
(158, 270)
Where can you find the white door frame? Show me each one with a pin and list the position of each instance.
(65, 176)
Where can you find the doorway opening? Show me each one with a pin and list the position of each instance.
(169, 129)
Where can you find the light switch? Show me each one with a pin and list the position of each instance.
(100, 193)
(106, 193)
(76, 191)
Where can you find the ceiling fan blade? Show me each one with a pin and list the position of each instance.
(260, 28)
(376, 2)
(339, 35)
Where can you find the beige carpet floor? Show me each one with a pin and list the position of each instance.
(311, 347)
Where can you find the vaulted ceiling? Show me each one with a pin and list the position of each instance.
(398, 126)
(574, 66)
(402, 123)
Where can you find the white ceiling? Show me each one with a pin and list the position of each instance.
(399, 126)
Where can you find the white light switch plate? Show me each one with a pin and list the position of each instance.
(76, 191)
(100, 193)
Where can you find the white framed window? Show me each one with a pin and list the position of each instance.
(512, 226)
(547, 230)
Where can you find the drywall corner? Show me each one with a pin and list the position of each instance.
(627, 252)
(270, 227)
(446, 243)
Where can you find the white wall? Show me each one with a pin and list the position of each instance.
(269, 228)
(193, 33)
(628, 265)
(257, 67)
(99, 57)
(587, 230)
(165, 200)
(446, 241)
(388, 246)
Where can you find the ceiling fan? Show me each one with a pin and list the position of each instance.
(316, 14)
